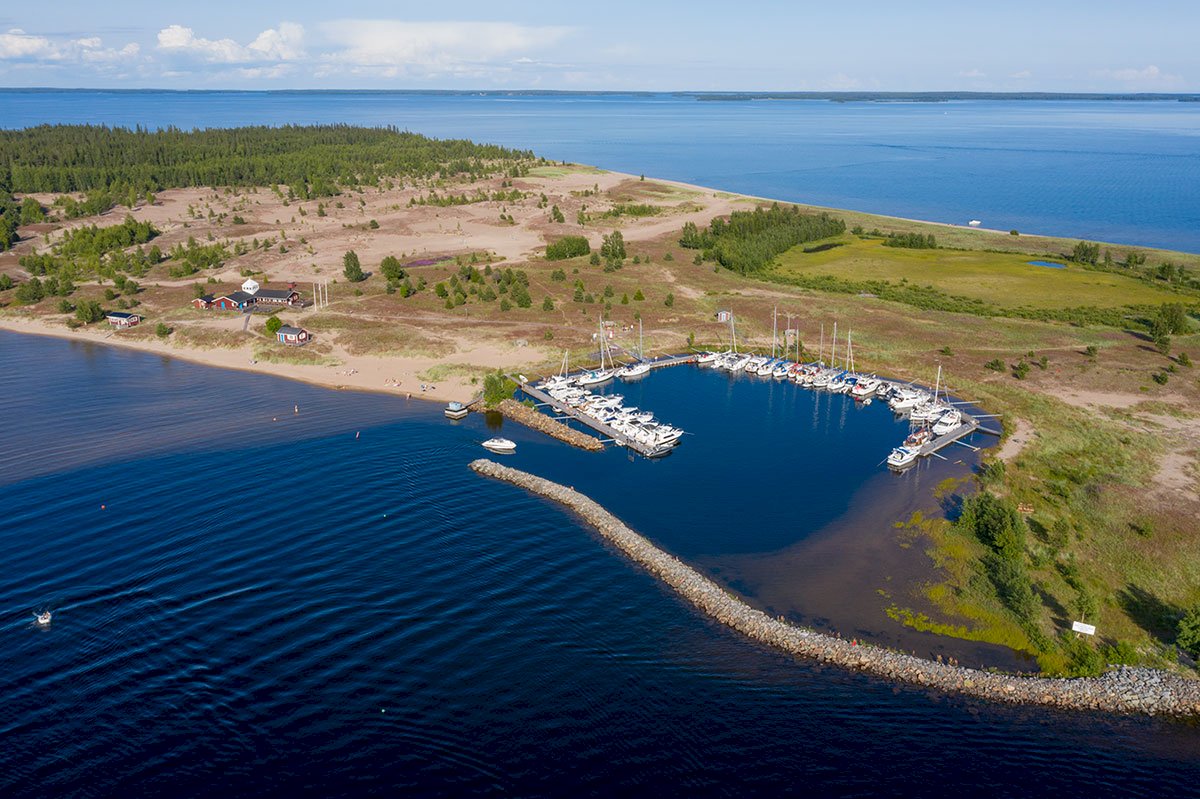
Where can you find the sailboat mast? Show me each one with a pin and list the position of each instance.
(641, 348)
(821, 351)
(732, 332)
(774, 328)
(833, 348)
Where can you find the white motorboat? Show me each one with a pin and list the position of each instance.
(706, 357)
(906, 397)
(902, 457)
(43, 618)
(865, 387)
(500, 445)
(782, 369)
(950, 420)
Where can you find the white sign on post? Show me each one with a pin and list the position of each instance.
(1086, 629)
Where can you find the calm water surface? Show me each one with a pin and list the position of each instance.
(1112, 171)
(258, 607)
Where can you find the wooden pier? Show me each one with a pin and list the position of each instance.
(970, 425)
(671, 360)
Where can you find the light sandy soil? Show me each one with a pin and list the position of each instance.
(391, 374)
(1102, 399)
(316, 244)
(1021, 435)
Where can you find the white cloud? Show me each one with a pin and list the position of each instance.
(284, 43)
(1148, 77)
(972, 73)
(1022, 75)
(395, 47)
(16, 44)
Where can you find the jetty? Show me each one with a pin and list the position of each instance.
(1124, 689)
(617, 437)
(669, 360)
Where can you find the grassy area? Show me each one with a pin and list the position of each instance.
(311, 355)
(997, 278)
(968, 238)
(361, 336)
(442, 371)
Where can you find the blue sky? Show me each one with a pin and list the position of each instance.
(699, 45)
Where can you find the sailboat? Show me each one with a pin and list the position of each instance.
(638, 369)
(594, 377)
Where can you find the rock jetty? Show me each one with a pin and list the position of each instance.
(511, 409)
(1122, 690)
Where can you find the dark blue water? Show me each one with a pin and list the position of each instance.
(254, 607)
(1113, 171)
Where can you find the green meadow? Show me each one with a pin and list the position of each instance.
(997, 278)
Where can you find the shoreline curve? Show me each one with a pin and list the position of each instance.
(1123, 690)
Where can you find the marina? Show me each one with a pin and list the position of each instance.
(936, 421)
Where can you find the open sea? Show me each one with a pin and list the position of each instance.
(1117, 171)
(251, 601)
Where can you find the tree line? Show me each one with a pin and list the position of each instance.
(749, 241)
(316, 159)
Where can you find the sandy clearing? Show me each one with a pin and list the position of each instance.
(1022, 434)
(1083, 398)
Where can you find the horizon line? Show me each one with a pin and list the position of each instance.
(732, 93)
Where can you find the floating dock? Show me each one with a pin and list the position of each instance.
(970, 425)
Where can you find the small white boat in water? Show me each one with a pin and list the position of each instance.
(902, 457)
(706, 357)
(43, 618)
(501, 445)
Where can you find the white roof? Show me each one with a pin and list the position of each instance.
(250, 286)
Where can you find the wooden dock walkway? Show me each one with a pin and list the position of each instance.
(671, 360)
(970, 425)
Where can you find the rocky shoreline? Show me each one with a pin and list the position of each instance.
(1122, 690)
(511, 409)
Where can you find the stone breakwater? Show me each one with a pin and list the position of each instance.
(511, 409)
(1123, 690)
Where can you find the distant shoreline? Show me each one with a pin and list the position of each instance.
(703, 96)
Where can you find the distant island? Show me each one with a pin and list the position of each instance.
(377, 259)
